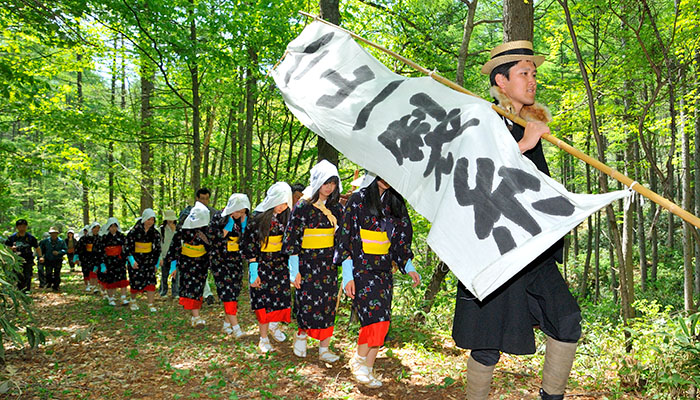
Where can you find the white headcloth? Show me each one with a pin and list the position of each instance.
(277, 194)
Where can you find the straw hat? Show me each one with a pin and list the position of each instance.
(53, 230)
(511, 51)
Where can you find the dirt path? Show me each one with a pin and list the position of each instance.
(95, 351)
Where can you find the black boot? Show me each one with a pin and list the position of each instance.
(546, 396)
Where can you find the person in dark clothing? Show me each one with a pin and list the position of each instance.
(538, 295)
(375, 235)
(142, 250)
(71, 244)
(309, 241)
(24, 245)
(203, 195)
(53, 249)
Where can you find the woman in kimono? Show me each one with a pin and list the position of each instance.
(189, 255)
(112, 272)
(226, 228)
(375, 234)
(142, 252)
(268, 265)
(309, 240)
(88, 257)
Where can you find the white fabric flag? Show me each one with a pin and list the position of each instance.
(449, 154)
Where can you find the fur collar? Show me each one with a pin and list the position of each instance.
(535, 112)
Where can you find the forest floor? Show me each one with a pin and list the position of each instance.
(94, 351)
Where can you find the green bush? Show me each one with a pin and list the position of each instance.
(15, 306)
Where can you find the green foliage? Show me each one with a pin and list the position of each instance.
(15, 306)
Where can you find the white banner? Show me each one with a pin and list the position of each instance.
(449, 154)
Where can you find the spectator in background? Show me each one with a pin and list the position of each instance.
(167, 231)
(22, 244)
(297, 192)
(71, 244)
(53, 249)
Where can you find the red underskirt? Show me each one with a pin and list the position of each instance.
(116, 285)
(149, 288)
(190, 304)
(373, 335)
(265, 317)
(318, 334)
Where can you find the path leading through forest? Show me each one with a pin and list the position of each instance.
(94, 351)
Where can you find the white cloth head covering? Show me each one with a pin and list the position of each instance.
(105, 228)
(92, 225)
(363, 181)
(277, 194)
(147, 213)
(320, 173)
(198, 217)
(237, 201)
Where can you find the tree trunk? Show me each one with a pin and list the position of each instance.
(147, 78)
(251, 95)
(641, 233)
(597, 257)
(626, 304)
(583, 286)
(433, 288)
(518, 20)
(84, 175)
(330, 11)
(208, 129)
(688, 275)
(697, 175)
(196, 102)
(466, 37)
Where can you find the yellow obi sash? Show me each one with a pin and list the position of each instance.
(88, 247)
(232, 244)
(193, 251)
(141, 247)
(374, 242)
(317, 238)
(274, 244)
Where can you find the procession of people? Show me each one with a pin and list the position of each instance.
(296, 244)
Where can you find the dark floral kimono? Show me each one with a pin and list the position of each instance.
(310, 234)
(111, 247)
(145, 248)
(226, 261)
(192, 255)
(88, 255)
(375, 245)
(271, 301)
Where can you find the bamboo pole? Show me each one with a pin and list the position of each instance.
(632, 184)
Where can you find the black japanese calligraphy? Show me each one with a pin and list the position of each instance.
(363, 74)
(366, 111)
(404, 137)
(490, 205)
(315, 46)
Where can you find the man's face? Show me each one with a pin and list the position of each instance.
(22, 229)
(54, 236)
(296, 196)
(204, 199)
(522, 84)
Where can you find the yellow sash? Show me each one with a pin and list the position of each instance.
(141, 247)
(88, 247)
(193, 251)
(232, 244)
(274, 244)
(374, 242)
(317, 238)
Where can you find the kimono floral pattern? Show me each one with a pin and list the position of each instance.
(193, 270)
(316, 299)
(88, 254)
(145, 275)
(226, 266)
(115, 264)
(373, 273)
(274, 293)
